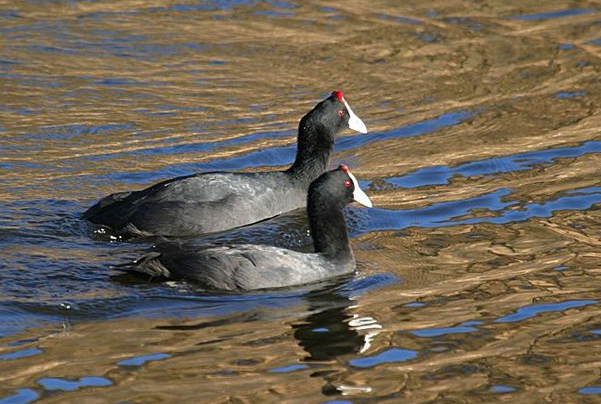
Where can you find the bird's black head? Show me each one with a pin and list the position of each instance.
(338, 187)
(330, 117)
(328, 195)
(316, 133)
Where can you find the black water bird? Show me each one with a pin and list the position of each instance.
(244, 267)
(214, 201)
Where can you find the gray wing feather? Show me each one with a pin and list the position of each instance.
(240, 267)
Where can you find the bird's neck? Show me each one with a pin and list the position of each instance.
(312, 156)
(328, 229)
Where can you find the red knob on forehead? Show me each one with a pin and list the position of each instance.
(344, 168)
(339, 95)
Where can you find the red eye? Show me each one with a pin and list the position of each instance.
(340, 112)
(347, 183)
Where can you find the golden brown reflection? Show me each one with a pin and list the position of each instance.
(177, 74)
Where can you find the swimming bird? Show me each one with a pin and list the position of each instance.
(245, 267)
(215, 201)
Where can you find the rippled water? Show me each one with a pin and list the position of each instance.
(478, 265)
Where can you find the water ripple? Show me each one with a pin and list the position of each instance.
(445, 213)
(416, 129)
(437, 332)
(440, 175)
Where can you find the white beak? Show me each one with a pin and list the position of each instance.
(358, 194)
(354, 122)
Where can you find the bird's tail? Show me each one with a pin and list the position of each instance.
(148, 264)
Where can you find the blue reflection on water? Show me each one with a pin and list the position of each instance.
(287, 369)
(570, 94)
(472, 322)
(554, 14)
(593, 390)
(9, 14)
(583, 191)
(359, 286)
(531, 311)
(141, 360)
(50, 383)
(440, 175)
(566, 46)
(23, 396)
(438, 214)
(528, 211)
(24, 353)
(415, 129)
(274, 13)
(501, 389)
(442, 214)
(399, 19)
(388, 356)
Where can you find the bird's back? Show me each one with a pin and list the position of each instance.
(241, 267)
(200, 203)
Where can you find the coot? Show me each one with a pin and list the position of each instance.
(246, 267)
(214, 201)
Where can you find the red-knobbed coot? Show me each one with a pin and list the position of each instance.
(249, 267)
(215, 201)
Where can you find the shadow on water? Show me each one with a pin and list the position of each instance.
(331, 329)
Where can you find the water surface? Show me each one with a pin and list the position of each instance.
(478, 266)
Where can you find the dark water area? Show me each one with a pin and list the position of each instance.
(478, 267)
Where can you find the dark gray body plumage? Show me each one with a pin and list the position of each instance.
(242, 267)
(202, 203)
